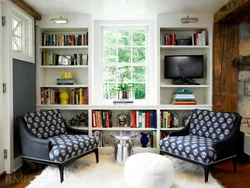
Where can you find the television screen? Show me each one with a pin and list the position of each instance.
(184, 66)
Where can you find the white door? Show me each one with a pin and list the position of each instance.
(2, 135)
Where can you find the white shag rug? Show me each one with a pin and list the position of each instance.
(85, 172)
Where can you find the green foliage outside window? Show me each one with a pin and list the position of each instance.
(124, 50)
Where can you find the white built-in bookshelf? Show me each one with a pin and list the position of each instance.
(202, 92)
(47, 75)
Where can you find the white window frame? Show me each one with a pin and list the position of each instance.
(151, 69)
(145, 64)
(27, 35)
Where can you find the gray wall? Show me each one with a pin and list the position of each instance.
(24, 95)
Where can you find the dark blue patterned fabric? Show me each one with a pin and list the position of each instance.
(69, 146)
(192, 146)
(216, 125)
(45, 124)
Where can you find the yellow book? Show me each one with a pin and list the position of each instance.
(80, 96)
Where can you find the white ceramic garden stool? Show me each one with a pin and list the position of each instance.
(148, 170)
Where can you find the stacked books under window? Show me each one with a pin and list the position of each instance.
(65, 81)
(183, 97)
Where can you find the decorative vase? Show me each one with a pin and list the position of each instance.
(145, 138)
(64, 96)
(123, 94)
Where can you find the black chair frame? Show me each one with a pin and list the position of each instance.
(37, 150)
(226, 149)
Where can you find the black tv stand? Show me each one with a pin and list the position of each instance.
(183, 81)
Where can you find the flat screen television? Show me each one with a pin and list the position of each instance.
(184, 66)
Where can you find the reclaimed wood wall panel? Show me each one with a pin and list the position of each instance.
(225, 75)
(234, 11)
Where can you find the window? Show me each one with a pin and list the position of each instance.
(17, 34)
(21, 32)
(124, 61)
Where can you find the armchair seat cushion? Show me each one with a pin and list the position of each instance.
(191, 146)
(65, 147)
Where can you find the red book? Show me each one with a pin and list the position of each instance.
(173, 39)
(133, 119)
(42, 95)
(147, 119)
(93, 118)
(86, 96)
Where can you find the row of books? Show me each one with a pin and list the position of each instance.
(56, 59)
(65, 81)
(65, 40)
(101, 138)
(143, 119)
(76, 95)
(199, 38)
(152, 142)
(167, 38)
(168, 120)
(101, 118)
(183, 98)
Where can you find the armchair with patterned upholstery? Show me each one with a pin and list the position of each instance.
(208, 139)
(47, 139)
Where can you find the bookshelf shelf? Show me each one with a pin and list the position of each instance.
(64, 67)
(185, 86)
(63, 86)
(123, 129)
(171, 129)
(63, 47)
(184, 47)
(63, 107)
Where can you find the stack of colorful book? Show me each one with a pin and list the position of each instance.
(183, 97)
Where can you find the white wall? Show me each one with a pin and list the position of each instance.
(8, 55)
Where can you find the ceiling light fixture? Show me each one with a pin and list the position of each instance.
(59, 20)
(189, 20)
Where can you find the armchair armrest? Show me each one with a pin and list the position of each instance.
(228, 146)
(31, 145)
(73, 131)
(182, 132)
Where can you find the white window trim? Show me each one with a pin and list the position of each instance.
(141, 101)
(150, 55)
(28, 45)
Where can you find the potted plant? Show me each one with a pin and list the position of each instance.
(123, 89)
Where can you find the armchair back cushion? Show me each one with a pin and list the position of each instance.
(44, 124)
(215, 125)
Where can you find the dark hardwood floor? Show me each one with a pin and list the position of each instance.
(223, 173)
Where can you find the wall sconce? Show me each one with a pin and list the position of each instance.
(189, 20)
(59, 20)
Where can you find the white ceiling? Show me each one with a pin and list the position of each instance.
(117, 8)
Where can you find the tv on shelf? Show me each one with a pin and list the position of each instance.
(183, 68)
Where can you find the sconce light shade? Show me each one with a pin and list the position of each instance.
(189, 20)
(59, 20)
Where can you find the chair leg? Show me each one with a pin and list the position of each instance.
(234, 164)
(97, 155)
(61, 169)
(206, 170)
